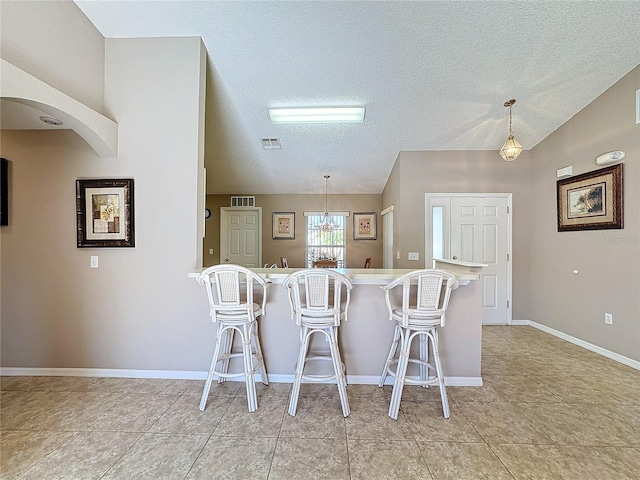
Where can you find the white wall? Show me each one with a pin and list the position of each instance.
(54, 41)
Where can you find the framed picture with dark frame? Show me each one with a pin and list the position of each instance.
(104, 211)
(591, 201)
(284, 225)
(4, 192)
(364, 226)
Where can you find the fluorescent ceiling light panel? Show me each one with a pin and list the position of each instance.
(317, 115)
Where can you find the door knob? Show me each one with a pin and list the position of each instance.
(226, 259)
(455, 258)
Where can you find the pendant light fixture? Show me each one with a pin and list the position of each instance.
(327, 225)
(511, 148)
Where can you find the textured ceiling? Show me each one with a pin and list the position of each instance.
(432, 76)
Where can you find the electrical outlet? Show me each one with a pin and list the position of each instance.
(211, 251)
(608, 319)
(413, 256)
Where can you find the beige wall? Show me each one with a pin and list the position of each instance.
(419, 173)
(54, 42)
(294, 250)
(608, 261)
(137, 310)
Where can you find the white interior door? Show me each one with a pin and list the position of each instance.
(477, 228)
(479, 232)
(387, 238)
(241, 236)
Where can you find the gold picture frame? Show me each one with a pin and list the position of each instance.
(284, 226)
(104, 213)
(591, 201)
(364, 226)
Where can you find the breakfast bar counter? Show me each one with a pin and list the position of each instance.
(365, 338)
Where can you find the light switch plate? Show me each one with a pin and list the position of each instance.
(94, 261)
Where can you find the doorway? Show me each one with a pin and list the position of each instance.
(475, 227)
(241, 236)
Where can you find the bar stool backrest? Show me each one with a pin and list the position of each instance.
(322, 297)
(230, 289)
(432, 292)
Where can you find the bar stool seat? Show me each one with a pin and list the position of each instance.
(417, 317)
(317, 306)
(230, 289)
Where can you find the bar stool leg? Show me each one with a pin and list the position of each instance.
(401, 371)
(341, 379)
(226, 344)
(433, 335)
(391, 356)
(212, 368)
(258, 351)
(249, 376)
(302, 354)
(424, 352)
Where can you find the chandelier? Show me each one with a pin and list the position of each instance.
(327, 224)
(511, 148)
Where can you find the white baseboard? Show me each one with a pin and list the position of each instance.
(103, 372)
(581, 343)
(194, 375)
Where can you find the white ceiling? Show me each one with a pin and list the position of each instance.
(432, 75)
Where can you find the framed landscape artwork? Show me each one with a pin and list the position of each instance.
(104, 211)
(591, 201)
(364, 226)
(284, 225)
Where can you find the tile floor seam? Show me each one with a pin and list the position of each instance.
(116, 461)
(500, 460)
(197, 456)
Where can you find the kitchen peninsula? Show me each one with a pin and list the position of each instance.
(366, 336)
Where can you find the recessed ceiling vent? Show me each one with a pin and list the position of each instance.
(240, 201)
(271, 143)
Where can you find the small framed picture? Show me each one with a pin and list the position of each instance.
(364, 226)
(104, 211)
(284, 225)
(591, 201)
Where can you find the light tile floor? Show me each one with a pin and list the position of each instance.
(547, 410)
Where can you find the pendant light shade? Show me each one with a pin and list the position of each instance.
(511, 148)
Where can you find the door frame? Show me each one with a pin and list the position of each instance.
(223, 229)
(387, 237)
(428, 235)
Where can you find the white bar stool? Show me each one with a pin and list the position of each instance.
(232, 307)
(417, 317)
(318, 308)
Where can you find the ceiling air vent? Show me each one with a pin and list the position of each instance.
(243, 201)
(271, 143)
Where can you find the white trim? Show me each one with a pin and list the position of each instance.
(321, 214)
(581, 343)
(386, 210)
(195, 375)
(103, 372)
